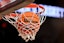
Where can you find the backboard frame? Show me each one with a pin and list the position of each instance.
(14, 6)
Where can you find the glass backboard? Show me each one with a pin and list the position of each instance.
(5, 2)
(8, 6)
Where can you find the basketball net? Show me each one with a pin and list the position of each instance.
(26, 23)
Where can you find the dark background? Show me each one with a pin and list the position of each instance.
(59, 3)
(51, 31)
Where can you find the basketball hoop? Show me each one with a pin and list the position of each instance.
(27, 23)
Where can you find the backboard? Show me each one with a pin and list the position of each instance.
(8, 6)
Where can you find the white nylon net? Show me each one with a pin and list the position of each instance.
(26, 23)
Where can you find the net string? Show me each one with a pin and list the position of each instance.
(16, 24)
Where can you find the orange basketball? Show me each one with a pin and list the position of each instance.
(28, 17)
